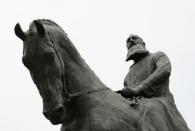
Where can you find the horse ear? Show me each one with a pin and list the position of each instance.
(40, 28)
(19, 32)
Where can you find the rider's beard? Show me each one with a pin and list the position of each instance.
(136, 52)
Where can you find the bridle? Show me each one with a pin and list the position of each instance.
(66, 94)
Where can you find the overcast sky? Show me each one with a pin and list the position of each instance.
(99, 30)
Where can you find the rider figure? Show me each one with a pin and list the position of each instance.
(148, 80)
(149, 75)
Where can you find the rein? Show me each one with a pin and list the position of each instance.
(67, 95)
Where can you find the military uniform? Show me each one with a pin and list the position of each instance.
(152, 72)
(157, 107)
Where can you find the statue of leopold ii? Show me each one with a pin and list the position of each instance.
(147, 88)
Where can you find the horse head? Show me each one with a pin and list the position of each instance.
(42, 59)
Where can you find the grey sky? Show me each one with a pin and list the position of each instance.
(99, 30)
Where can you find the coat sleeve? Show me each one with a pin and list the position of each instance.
(161, 73)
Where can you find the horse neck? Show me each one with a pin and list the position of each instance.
(78, 74)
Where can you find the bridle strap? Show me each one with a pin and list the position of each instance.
(66, 93)
(86, 92)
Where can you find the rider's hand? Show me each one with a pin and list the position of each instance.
(126, 92)
(130, 92)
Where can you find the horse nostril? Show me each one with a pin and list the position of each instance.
(60, 110)
(45, 114)
(57, 112)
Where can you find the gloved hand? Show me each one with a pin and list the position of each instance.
(130, 92)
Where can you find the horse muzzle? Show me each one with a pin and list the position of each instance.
(55, 115)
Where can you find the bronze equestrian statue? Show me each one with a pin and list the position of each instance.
(147, 86)
(75, 97)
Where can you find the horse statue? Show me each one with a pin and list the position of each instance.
(72, 93)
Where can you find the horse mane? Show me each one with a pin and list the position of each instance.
(54, 30)
(45, 22)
